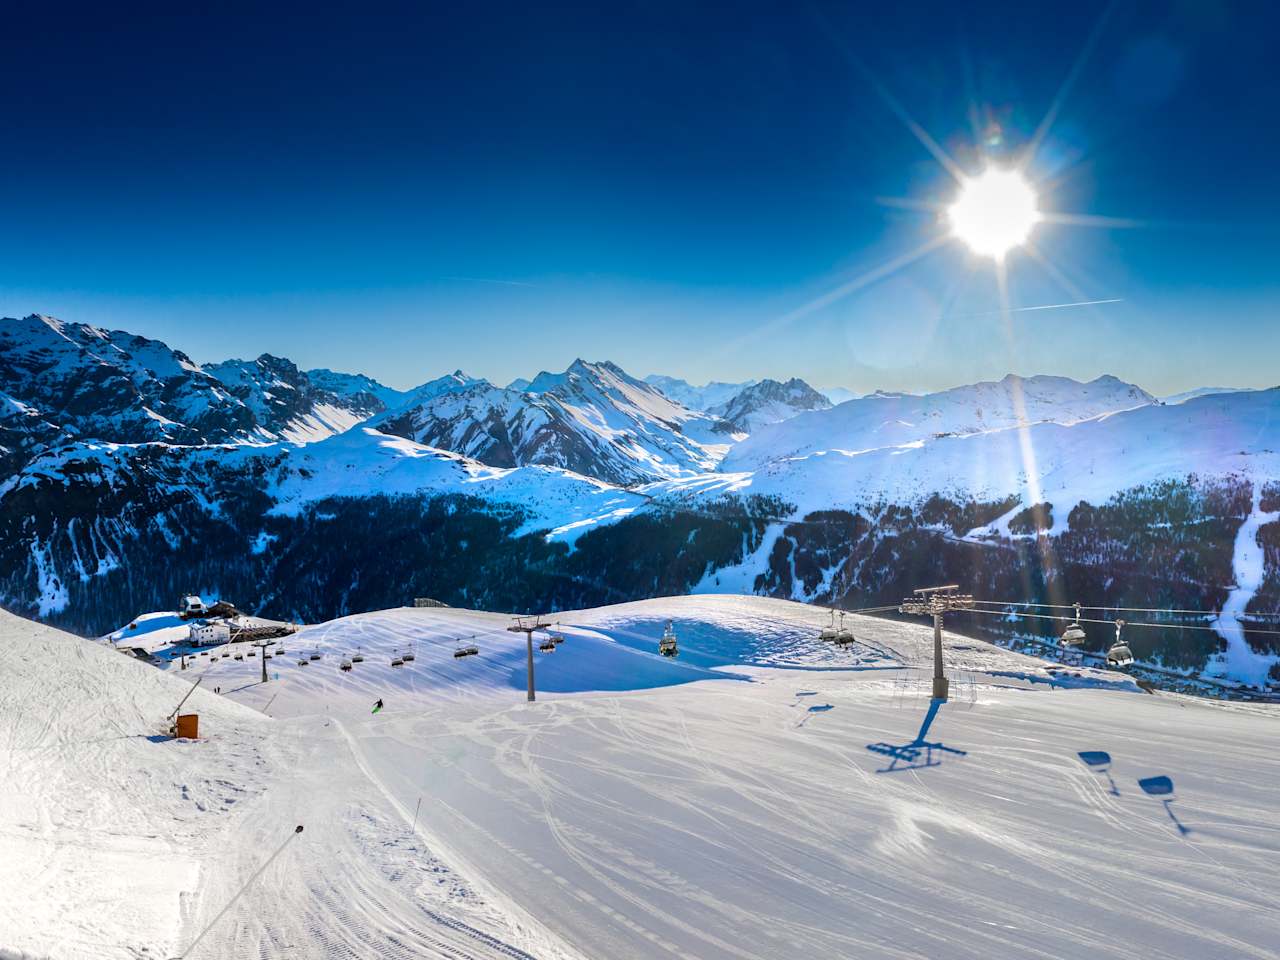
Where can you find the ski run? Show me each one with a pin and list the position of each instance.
(763, 795)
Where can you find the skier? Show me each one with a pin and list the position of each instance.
(377, 706)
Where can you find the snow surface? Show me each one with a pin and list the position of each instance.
(786, 803)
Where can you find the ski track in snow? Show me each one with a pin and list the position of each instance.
(641, 808)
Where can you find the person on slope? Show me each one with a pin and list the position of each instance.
(377, 706)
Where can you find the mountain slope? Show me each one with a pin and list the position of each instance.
(769, 401)
(893, 420)
(697, 398)
(286, 405)
(592, 419)
(112, 385)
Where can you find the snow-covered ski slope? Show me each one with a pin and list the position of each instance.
(762, 796)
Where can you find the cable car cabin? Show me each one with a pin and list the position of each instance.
(397, 662)
(345, 666)
(547, 646)
(1073, 635)
(1119, 656)
(667, 644)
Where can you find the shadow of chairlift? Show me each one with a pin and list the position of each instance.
(1162, 788)
(919, 753)
(1100, 762)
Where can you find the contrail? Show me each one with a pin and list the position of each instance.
(1043, 306)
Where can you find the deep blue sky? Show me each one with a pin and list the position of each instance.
(405, 190)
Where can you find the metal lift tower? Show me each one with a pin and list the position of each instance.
(935, 601)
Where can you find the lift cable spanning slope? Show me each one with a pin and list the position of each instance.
(1119, 609)
(1128, 623)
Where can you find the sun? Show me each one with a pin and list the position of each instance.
(994, 212)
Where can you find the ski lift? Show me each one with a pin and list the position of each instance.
(301, 663)
(358, 658)
(1074, 634)
(844, 636)
(1119, 655)
(252, 653)
(345, 666)
(547, 646)
(397, 662)
(828, 633)
(408, 657)
(556, 636)
(667, 644)
(239, 656)
(314, 656)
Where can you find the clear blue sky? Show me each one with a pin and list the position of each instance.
(402, 190)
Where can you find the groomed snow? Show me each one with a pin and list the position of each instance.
(762, 796)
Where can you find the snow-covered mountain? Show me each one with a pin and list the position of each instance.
(895, 419)
(838, 394)
(592, 419)
(769, 401)
(286, 405)
(1176, 398)
(356, 387)
(697, 398)
(74, 380)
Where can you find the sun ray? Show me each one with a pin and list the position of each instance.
(1026, 445)
(1092, 220)
(862, 280)
(1051, 115)
(894, 105)
(1055, 272)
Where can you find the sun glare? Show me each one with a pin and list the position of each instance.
(994, 212)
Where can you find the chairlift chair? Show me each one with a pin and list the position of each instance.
(1119, 655)
(239, 656)
(314, 656)
(547, 646)
(397, 662)
(358, 658)
(302, 663)
(556, 636)
(844, 636)
(252, 653)
(828, 633)
(667, 644)
(1074, 634)
(345, 666)
(408, 657)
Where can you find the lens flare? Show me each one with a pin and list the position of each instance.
(994, 212)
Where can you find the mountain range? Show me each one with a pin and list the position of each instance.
(129, 473)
